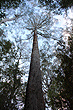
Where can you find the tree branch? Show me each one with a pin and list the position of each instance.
(47, 36)
(7, 19)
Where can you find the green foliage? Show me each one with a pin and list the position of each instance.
(57, 5)
(5, 47)
(11, 88)
(58, 76)
(66, 3)
(67, 66)
(63, 81)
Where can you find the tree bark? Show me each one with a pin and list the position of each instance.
(34, 95)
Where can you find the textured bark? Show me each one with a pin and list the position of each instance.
(34, 95)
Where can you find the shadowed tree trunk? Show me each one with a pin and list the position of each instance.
(34, 95)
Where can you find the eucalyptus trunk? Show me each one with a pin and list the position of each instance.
(34, 95)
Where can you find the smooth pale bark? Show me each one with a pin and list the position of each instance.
(34, 95)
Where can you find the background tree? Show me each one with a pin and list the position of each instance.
(66, 55)
(11, 86)
(60, 84)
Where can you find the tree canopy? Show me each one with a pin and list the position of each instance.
(57, 5)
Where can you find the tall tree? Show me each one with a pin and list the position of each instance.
(34, 95)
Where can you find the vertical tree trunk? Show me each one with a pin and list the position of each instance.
(34, 95)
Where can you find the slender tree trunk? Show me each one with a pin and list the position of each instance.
(34, 95)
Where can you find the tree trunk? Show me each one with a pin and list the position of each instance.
(34, 95)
